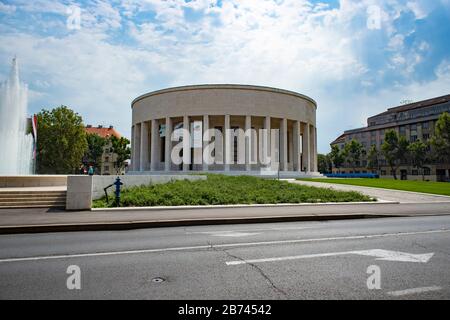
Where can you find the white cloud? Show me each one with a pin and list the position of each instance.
(6, 8)
(291, 44)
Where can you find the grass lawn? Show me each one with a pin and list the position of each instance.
(220, 189)
(442, 188)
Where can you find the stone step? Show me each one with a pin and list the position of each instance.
(19, 206)
(31, 195)
(33, 198)
(32, 192)
(32, 203)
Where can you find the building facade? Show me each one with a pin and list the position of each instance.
(414, 121)
(230, 129)
(108, 164)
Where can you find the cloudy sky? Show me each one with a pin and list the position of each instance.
(355, 58)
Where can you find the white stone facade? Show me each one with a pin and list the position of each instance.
(238, 115)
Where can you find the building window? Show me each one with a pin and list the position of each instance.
(383, 172)
(426, 136)
(106, 159)
(413, 138)
(106, 168)
(426, 171)
(415, 172)
(425, 125)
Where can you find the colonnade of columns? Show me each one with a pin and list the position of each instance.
(300, 156)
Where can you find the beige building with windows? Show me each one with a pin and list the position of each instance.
(228, 123)
(415, 121)
(108, 165)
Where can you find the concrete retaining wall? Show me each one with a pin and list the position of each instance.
(81, 190)
(33, 181)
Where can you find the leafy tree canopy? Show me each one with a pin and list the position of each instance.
(441, 139)
(120, 146)
(61, 141)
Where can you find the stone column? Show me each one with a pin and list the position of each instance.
(248, 143)
(312, 147)
(205, 143)
(154, 155)
(267, 144)
(306, 148)
(283, 145)
(186, 144)
(296, 146)
(144, 147)
(316, 163)
(137, 147)
(228, 142)
(132, 149)
(168, 147)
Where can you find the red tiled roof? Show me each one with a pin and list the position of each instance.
(103, 132)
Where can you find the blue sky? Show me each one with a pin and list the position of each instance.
(355, 58)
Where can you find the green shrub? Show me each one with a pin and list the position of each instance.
(221, 189)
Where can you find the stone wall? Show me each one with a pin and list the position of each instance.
(33, 181)
(81, 190)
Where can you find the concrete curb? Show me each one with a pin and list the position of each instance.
(129, 225)
(230, 206)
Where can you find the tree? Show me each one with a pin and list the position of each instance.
(95, 148)
(62, 141)
(418, 154)
(395, 150)
(336, 157)
(120, 146)
(441, 139)
(353, 152)
(324, 163)
(373, 162)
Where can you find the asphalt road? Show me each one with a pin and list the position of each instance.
(295, 260)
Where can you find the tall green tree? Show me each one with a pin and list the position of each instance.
(61, 141)
(121, 147)
(353, 151)
(95, 148)
(373, 162)
(395, 150)
(418, 154)
(336, 157)
(441, 139)
(324, 163)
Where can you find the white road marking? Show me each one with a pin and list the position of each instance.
(234, 234)
(227, 245)
(413, 291)
(380, 254)
(248, 230)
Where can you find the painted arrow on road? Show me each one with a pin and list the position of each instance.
(379, 254)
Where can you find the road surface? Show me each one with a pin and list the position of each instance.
(293, 260)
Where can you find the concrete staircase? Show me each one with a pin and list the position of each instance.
(32, 199)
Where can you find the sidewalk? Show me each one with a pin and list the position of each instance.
(50, 220)
(379, 193)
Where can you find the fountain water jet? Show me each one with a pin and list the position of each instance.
(16, 146)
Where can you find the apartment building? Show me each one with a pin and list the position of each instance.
(413, 121)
